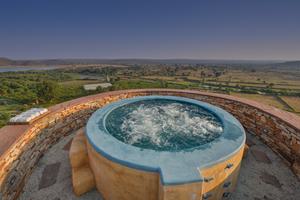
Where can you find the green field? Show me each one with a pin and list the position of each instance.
(22, 90)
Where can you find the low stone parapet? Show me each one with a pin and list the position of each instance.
(21, 146)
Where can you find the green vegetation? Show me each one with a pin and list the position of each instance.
(22, 90)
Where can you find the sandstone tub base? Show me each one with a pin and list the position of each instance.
(117, 182)
(82, 175)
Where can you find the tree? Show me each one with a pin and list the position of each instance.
(47, 91)
(270, 85)
(202, 75)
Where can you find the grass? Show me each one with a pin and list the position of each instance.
(264, 99)
(135, 84)
(166, 78)
(293, 102)
(9, 110)
(78, 82)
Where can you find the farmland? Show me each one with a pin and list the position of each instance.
(25, 89)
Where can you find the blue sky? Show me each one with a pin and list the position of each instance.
(210, 29)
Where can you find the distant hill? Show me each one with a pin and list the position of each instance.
(6, 61)
(264, 65)
(293, 64)
(9, 62)
(287, 66)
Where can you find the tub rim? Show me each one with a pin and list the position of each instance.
(180, 167)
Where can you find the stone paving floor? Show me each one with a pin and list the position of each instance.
(263, 176)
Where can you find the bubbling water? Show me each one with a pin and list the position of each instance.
(165, 125)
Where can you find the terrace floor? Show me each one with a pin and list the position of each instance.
(263, 176)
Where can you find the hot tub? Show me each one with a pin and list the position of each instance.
(164, 147)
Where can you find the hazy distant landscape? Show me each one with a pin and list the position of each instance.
(41, 83)
(56, 62)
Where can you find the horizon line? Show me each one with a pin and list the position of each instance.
(145, 58)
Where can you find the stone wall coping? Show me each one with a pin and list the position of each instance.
(9, 134)
(290, 118)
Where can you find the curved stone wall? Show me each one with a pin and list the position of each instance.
(280, 130)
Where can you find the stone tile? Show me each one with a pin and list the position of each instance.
(49, 175)
(267, 198)
(270, 179)
(250, 186)
(68, 145)
(261, 156)
(264, 198)
(250, 142)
